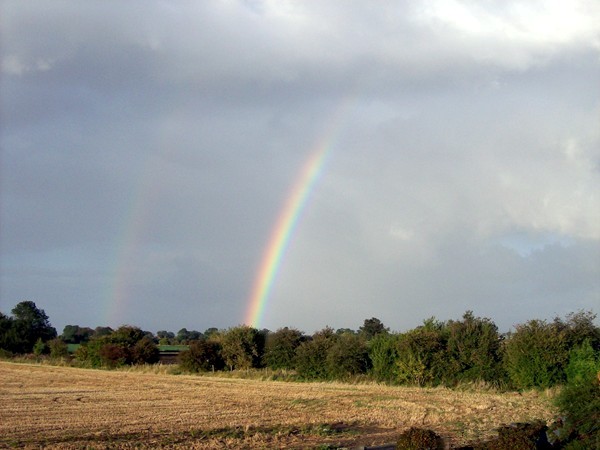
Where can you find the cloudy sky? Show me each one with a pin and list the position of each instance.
(148, 148)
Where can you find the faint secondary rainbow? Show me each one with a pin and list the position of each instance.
(287, 219)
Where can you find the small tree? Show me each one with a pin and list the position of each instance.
(202, 356)
(473, 349)
(145, 351)
(30, 324)
(421, 354)
(347, 356)
(58, 348)
(311, 356)
(242, 347)
(536, 354)
(372, 327)
(280, 348)
(383, 352)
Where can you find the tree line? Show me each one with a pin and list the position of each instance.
(537, 354)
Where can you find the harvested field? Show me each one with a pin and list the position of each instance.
(62, 407)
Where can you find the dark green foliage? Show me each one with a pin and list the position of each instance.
(419, 439)
(242, 347)
(473, 350)
(112, 355)
(102, 331)
(584, 363)
(535, 354)
(126, 345)
(28, 325)
(372, 327)
(280, 348)
(311, 356)
(58, 348)
(383, 353)
(145, 351)
(185, 337)
(538, 352)
(519, 436)
(347, 356)
(579, 401)
(202, 356)
(39, 347)
(74, 334)
(421, 354)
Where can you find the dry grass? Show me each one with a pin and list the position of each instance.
(64, 407)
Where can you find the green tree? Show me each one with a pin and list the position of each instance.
(473, 350)
(372, 327)
(74, 334)
(347, 356)
(202, 356)
(58, 348)
(280, 348)
(536, 354)
(421, 354)
(311, 355)
(383, 352)
(30, 324)
(242, 347)
(145, 351)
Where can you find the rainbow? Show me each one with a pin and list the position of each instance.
(282, 232)
(287, 219)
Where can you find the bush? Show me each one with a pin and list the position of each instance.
(58, 348)
(535, 355)
(421, 354)
(383, 353)
(242, 347)
(201, 356)
(311, 356)
(473, 350)
(584, 364)
(280, 348)
(347, 356)
(579, 405)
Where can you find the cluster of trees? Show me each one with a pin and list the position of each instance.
(536, 354)
(27, 330)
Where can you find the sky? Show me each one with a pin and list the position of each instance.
(149, 149)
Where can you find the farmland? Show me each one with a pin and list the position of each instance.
(63, 407)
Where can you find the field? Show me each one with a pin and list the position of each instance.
(62, 407)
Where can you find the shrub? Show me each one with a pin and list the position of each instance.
(280, 348)
(201, 356)
(58, 348)
(421, 354)
(383, 353)
(579, 404)
(242, 347)
(473, 350)
(112, 355)
(145, 351)
(347, 356)
(311, 356)
(584, 364)
(536, 353)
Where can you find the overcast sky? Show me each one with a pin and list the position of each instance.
(147, 148)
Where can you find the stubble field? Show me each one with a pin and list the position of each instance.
(62, 407)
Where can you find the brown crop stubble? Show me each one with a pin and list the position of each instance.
(70, 408)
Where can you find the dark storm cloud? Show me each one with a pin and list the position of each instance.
(163, 138)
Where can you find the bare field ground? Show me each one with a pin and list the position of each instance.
(62, 407)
